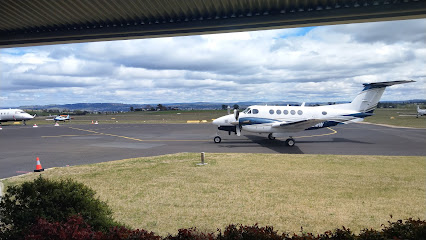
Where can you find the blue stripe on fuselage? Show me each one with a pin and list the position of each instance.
(252, 120)
(324, 124)
(360, 115)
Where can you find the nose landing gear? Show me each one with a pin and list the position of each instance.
(217, 139)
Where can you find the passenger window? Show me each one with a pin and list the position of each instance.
(292, 112)
(300, 112)
(278, 111)
(271, 111)
(324, 113)
(255, 111)
(285, 112)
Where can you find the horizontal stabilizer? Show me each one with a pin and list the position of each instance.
(384, 84)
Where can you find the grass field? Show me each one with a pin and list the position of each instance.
(381, 116)
(136, 117)
(316, 192)
(397, 117)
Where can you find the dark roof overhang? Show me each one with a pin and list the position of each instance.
(41, 22)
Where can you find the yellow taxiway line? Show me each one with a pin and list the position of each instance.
(320, 135)
(165, 140)
(69, 136)
(137, 139)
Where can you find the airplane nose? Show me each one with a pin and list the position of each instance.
(224, 120)
(216, 121)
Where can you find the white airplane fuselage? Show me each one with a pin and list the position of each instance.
(268, 119)
(8, 115)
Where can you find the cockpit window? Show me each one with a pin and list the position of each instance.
(248, 110)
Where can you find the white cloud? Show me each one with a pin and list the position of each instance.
(327, 63)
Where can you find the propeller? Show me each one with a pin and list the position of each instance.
(236, 114)
(238, 128)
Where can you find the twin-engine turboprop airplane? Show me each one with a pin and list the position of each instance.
(8, 115)
(280, 120)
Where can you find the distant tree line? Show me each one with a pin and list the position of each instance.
(160, 107)
(225, 107)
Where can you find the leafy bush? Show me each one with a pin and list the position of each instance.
(410, 229)
(122, 233)
(76, 228)
(54, 201)
(191, 234)
(240, 232)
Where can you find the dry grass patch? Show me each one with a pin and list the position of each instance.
(318, 192)
(397, 117)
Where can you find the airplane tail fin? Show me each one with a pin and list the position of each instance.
(366, 101)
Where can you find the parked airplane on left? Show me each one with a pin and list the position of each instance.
(8, 115)
(420, 112)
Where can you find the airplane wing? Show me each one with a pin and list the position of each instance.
(299, 125)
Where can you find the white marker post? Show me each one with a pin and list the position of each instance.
(1, 189)
(202, 160)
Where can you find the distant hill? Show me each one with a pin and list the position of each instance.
(121, 107)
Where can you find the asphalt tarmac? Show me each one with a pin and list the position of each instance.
(72, 144)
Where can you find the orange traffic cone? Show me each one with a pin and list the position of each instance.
(92, 121)
(38, 166)
(35, 125)
(96, 122)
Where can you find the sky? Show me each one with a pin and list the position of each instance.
(314, 64)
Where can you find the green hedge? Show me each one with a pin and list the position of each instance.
(54, 201)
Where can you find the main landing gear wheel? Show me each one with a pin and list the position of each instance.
(217, 139)
(290, 142)
(271, 137)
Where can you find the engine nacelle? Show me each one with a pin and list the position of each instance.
(229, 129)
